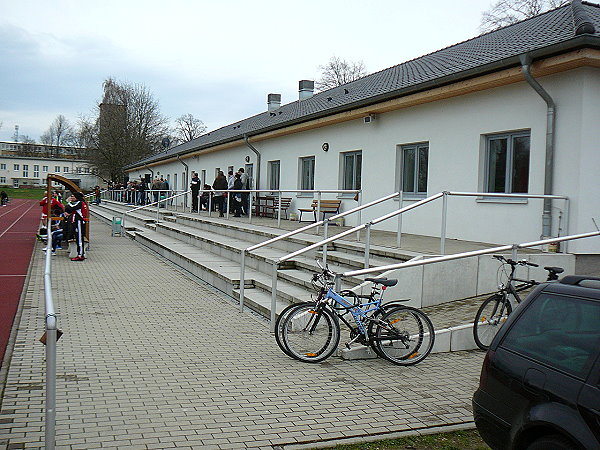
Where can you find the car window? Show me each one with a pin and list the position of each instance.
(563, 332)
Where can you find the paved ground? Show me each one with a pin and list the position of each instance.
(152, 359)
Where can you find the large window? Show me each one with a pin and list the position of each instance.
(57, 169)
(415, 161)
(507, 163)
(273, 169)
(36, 171)
(307, 173)
(65, 169)
(3, 166)
(15, 167)
(25, 170)
(351, 169)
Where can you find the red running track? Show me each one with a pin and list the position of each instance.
(19, 222)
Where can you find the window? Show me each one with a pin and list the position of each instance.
(57, 169)
(507, 163)
(86, 170)
(15, 183)
(36, 171)
(16, 167)
(65, 169)
(2, 180)
(2, 166)
(25, 170)
(568, 344)
(273, 174)
(45, 168)
(307, 173)
(414, 165)
(351, 169)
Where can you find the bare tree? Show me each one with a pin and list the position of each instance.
(507, 12)
(338, 71)
(127, 128)
(61, 132)
(188, 128)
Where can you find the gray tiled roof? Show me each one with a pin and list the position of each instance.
(572, 26)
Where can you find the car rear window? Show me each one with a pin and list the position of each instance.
(559, 331)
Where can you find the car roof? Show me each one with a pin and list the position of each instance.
(576, 285)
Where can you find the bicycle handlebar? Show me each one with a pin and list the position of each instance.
(513, 263)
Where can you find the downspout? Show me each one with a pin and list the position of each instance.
(185, 182)
(550, 127)
(186, 172)
(251, 147)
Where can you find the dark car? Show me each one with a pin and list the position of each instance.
(540, 380)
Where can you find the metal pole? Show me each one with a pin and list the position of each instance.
(50, 382)
(325, 231)
(250, 203)
(514, 256)
(279, 209)
(566, 228)
(444, 216)
(274, 296)
(367, 243)
(242, 276)
(400, 203)
(359, 193)
(318, 208)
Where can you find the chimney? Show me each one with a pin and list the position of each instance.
(273, 102)
(306, 89)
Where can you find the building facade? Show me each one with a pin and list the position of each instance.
(514, 111)
(24, 164)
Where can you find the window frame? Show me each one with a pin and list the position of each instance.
(274, 176)
(402, 149)
(509, 163)
(356, 171)
(306, 183)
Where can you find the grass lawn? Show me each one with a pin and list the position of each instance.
(456, 440)
(35, 193)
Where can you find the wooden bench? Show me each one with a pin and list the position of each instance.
(271, 209)
(326, 207)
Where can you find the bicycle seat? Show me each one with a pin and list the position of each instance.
(554, 269)
(382, 281)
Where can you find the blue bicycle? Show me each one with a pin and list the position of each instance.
(310, 331)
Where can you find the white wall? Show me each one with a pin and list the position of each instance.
(454, 129)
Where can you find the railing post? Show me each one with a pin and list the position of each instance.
(318, 208)
(566, 228)
(359, 193)
(337, 282)
(242, 278)
(250, 202)
(400, 203)
(325, 232)
(367, 243)
(444, 216)
(279, 209)
(210, 198)
(274, 296)
(514, 256)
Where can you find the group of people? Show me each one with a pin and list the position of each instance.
(65, 221)
(237, 202)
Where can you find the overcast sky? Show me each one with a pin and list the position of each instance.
(217, 60)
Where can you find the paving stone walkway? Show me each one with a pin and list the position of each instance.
(151, 358)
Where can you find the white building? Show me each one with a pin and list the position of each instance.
(29, 164)
(516, 110)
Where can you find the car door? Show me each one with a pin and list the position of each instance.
(589, 402)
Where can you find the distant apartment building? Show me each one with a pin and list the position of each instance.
(24, 164)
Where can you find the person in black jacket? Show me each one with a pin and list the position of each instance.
(237, 197)
(195, 186)
(76, 223)
(220, 187)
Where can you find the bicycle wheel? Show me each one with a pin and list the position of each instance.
(281, 320)
(310, 334)
(490, 316)
(404, 336)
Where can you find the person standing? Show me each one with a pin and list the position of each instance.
(220, 187)
(245, 185)
(75, 208)
(195, 187)
(237, 197)
(230, 181)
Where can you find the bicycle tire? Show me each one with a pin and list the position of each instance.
(280, 320)
(310, 334)
(404, 336)
(490, 316)
(387, 306)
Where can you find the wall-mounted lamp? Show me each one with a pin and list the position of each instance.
(370, 118)
(325, 146)
(247, 159)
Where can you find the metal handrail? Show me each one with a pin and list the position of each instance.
(501, 248)
(398, 213)
(51, 333)
(157, 203)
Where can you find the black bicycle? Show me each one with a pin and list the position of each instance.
(494, 311)
(310, 331)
